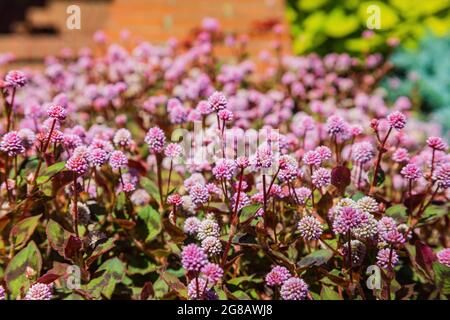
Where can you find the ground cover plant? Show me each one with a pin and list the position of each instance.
(136, 171)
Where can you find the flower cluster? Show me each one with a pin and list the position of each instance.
(199, 174)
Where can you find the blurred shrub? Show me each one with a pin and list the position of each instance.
(337, 25)
(424, 73)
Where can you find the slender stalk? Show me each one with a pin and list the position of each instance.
(336, 148)
(264, 199)
(168, 180)
(359, 176)
(6, 181)
(377, 164)
(390, 273)
(10, 111)
(198, 289)
(432, 163)
(234, 220)
(75, 205)
(44, 150)
(159, 174)
(350, 262)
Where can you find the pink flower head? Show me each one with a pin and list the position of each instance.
(77, 163)
(312, 158)
(224, 169)
(173, 150)
(122, 138)
(384, 257)
(277, 276)
(324, 153)
(264, 157)
(118, 160)
(217, 101)
(310, 228)
(335, 125)
(225, 115)
(191, 225)
(198, 290)
(175, 200)
(204, 107)
(16, 79)
(199, 194)
(213, 272)
(11, 144)
(403, 103)
(39, 291)
(128, 187)
(98, 157)
(393, 237)
(374, 124)
(57, 112)
(444, 257)
(242, 162)
(400, 155)
(385, 225)
(302, 194)
(411, 171)
(362, 152)
(397, 120)
(294, 289)
(193, 258)
(348, 218)
(321, 177)
(356, 130)
(155, 139)
(442, 175)
(437, 143)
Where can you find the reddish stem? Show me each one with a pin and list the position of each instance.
(377, 164)
(234, 220)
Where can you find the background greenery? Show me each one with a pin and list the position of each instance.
(337, 25)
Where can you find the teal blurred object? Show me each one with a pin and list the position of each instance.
(425, 73)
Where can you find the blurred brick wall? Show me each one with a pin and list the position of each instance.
(152, 20)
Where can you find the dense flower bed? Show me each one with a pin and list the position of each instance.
(164, 172)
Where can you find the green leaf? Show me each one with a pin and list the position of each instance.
(105, 284)
(432, 213)
(100, 250)
(442, 277)
(316, 258)
(15, 274)
(381, 176)
(248, 211)
(57, 236)
(150, 187)
(241, 295)
(144, 268)
(397, 212)
(329, 294)
(152, 220)
(388, 16)
(339, 25)
(238, 280)
(42, 179)
(23, 230)
(54, 168)
(174, 283)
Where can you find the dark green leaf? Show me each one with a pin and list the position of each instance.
(23, 230)
(152, 220)
(15, 274)
(316, 258)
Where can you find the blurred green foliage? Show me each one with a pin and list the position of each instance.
(425, 73)
(337, 25)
